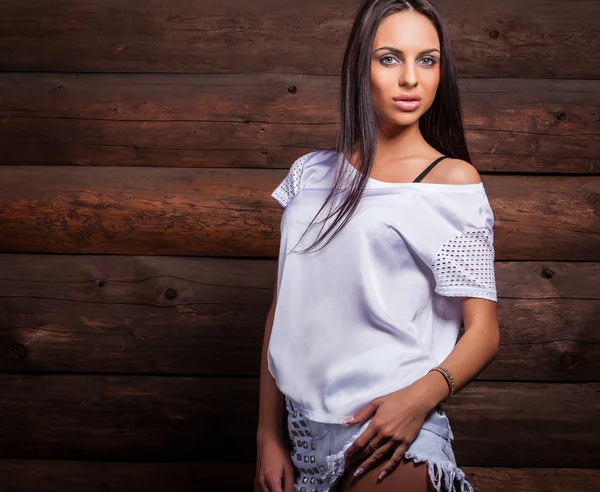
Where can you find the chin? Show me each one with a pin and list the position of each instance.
(399, 119)
(405, 119)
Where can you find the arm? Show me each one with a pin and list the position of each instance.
(271, 401)
(274, 470)
(472, 353)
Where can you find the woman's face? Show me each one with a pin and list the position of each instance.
(405, 60)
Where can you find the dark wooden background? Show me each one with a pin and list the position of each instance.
(139, 143)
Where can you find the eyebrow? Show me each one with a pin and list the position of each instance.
(396, 50)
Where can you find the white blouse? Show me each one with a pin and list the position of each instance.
(379, 306)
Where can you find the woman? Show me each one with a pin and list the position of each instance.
(360, 343)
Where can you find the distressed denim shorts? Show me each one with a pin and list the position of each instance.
(317, 451)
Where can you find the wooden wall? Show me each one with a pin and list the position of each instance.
(139, 143)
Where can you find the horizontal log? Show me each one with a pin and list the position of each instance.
(508, 38)
(265, 120)
(205, 316)
(229, 212)
(88, 476)
(150, 418)
(145, 279)
(533, 479)
(82, 476)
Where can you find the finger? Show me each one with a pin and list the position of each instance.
(375, 457)
(364, 453)
(367, 451)
(274, 482)
(261, 483)
(288, 479)
(393, 462)
(360, 442)
(363, 414)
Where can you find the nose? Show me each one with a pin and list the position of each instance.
(409, 76)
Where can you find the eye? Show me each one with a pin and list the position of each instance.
(387, 57)
(429, 59)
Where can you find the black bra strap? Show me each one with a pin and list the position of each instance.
(429, 168)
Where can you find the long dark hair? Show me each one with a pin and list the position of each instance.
(441, 125)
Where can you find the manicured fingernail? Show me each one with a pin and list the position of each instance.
(358, 472)
(382, 474)
(348, 419)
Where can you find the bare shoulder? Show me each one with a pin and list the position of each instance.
(457, 171)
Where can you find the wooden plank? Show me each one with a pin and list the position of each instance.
(151, 418)
(540, 340)
(533, 479)
(221, 212)
(227, 120)
(145, 279)
(547, 340)
(508, 38)
(160, 315)
(139, 211)
(512, 423)
(86, 476)
(205, 316)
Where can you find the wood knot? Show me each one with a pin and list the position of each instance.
(494, 34)
(101, 283)
(292, 89)
(593, 198)
(19, 350)
(547, 273)
(566, 360)
(170, 294)
(560, 115)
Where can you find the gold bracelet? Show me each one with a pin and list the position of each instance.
(449, 379)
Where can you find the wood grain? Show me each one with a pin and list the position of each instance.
(229, 212)
(153, 418)
(205, 316)
(506, 38)
(89, 476)
(266, 120)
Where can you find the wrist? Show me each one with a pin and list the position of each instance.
(434, 389)
(266, 434)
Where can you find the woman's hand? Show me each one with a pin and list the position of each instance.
(397, 420)
(274, 470)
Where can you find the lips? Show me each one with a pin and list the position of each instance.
(407, 102)
(407, 97)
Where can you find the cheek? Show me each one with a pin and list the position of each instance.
(383, 80)
(430, 84)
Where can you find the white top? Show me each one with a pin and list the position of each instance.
(379, 306)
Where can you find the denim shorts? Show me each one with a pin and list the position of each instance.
(317, 451)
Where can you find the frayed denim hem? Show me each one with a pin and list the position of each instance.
(445, 476)
(336, 465)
